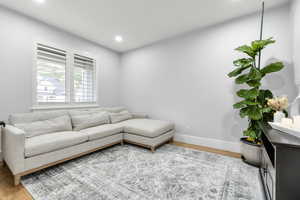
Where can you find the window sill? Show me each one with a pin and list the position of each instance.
(62, 107)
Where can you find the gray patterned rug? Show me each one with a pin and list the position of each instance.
(133, 173)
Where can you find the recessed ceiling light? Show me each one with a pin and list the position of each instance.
(40, 1)
(119, 38)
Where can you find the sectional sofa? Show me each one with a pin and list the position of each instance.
(34, 141)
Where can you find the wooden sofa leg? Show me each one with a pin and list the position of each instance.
(152, 149)
(17, 179)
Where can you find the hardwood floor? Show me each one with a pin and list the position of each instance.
(10, 192)
(7, 189)
(208, 149)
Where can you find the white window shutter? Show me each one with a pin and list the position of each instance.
(50, 75)
(83, 80)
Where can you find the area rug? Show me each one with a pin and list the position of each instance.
(133, 173)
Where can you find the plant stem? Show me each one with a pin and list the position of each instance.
(261, 31)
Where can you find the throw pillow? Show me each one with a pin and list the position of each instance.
(36, 128)
(89, 120)
(121, 116)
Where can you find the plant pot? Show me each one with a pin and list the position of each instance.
(251, 152)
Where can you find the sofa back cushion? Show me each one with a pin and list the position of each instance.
(96, 110)
(83, 112)
(105, 109)
(35, 116)
(120, 116)
(58, 124)
(114, 109)
(87, 119)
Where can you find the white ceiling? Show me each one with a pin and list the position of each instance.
(140, 22)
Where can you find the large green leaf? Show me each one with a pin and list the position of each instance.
(254, 83)
(242, 93)
(247, 50)
(250, 133)
(244, 103)
(254, 129)
(250, 103)
(254, 113)
(242, 79)
(237, 71)
(244, 112)
(266, 110)
(254, 125)
(239, 105)
(258, 45)
(243, 62)
(248, 94)
(254, 74)
(273, 67)
(264, 95)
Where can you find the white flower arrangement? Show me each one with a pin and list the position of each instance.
(278, 103)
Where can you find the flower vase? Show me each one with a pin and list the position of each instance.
(278, 115)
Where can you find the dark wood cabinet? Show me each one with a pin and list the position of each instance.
(280, 168)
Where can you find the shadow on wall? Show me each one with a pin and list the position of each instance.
(234, 125)
(232, 122)
(280, 83)
(283, 82)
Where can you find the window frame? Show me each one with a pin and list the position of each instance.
(69, 80)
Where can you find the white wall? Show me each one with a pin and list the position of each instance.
(184, 79)
(17, 38)
(296, 38)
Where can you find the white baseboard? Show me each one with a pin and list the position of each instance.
(209, 142)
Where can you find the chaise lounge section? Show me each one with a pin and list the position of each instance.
(147, 132)
(34, 141)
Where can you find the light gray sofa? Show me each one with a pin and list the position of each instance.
(34, 141)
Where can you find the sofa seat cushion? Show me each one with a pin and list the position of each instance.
(53, 141)
(102, 131)
(147, 127)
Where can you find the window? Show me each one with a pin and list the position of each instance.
(63, 77)
(83, 76)
(51, 74)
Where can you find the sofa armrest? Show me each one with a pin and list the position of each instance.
(14, 148)
(139, 115)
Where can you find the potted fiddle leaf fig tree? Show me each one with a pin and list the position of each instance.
(253, 104)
